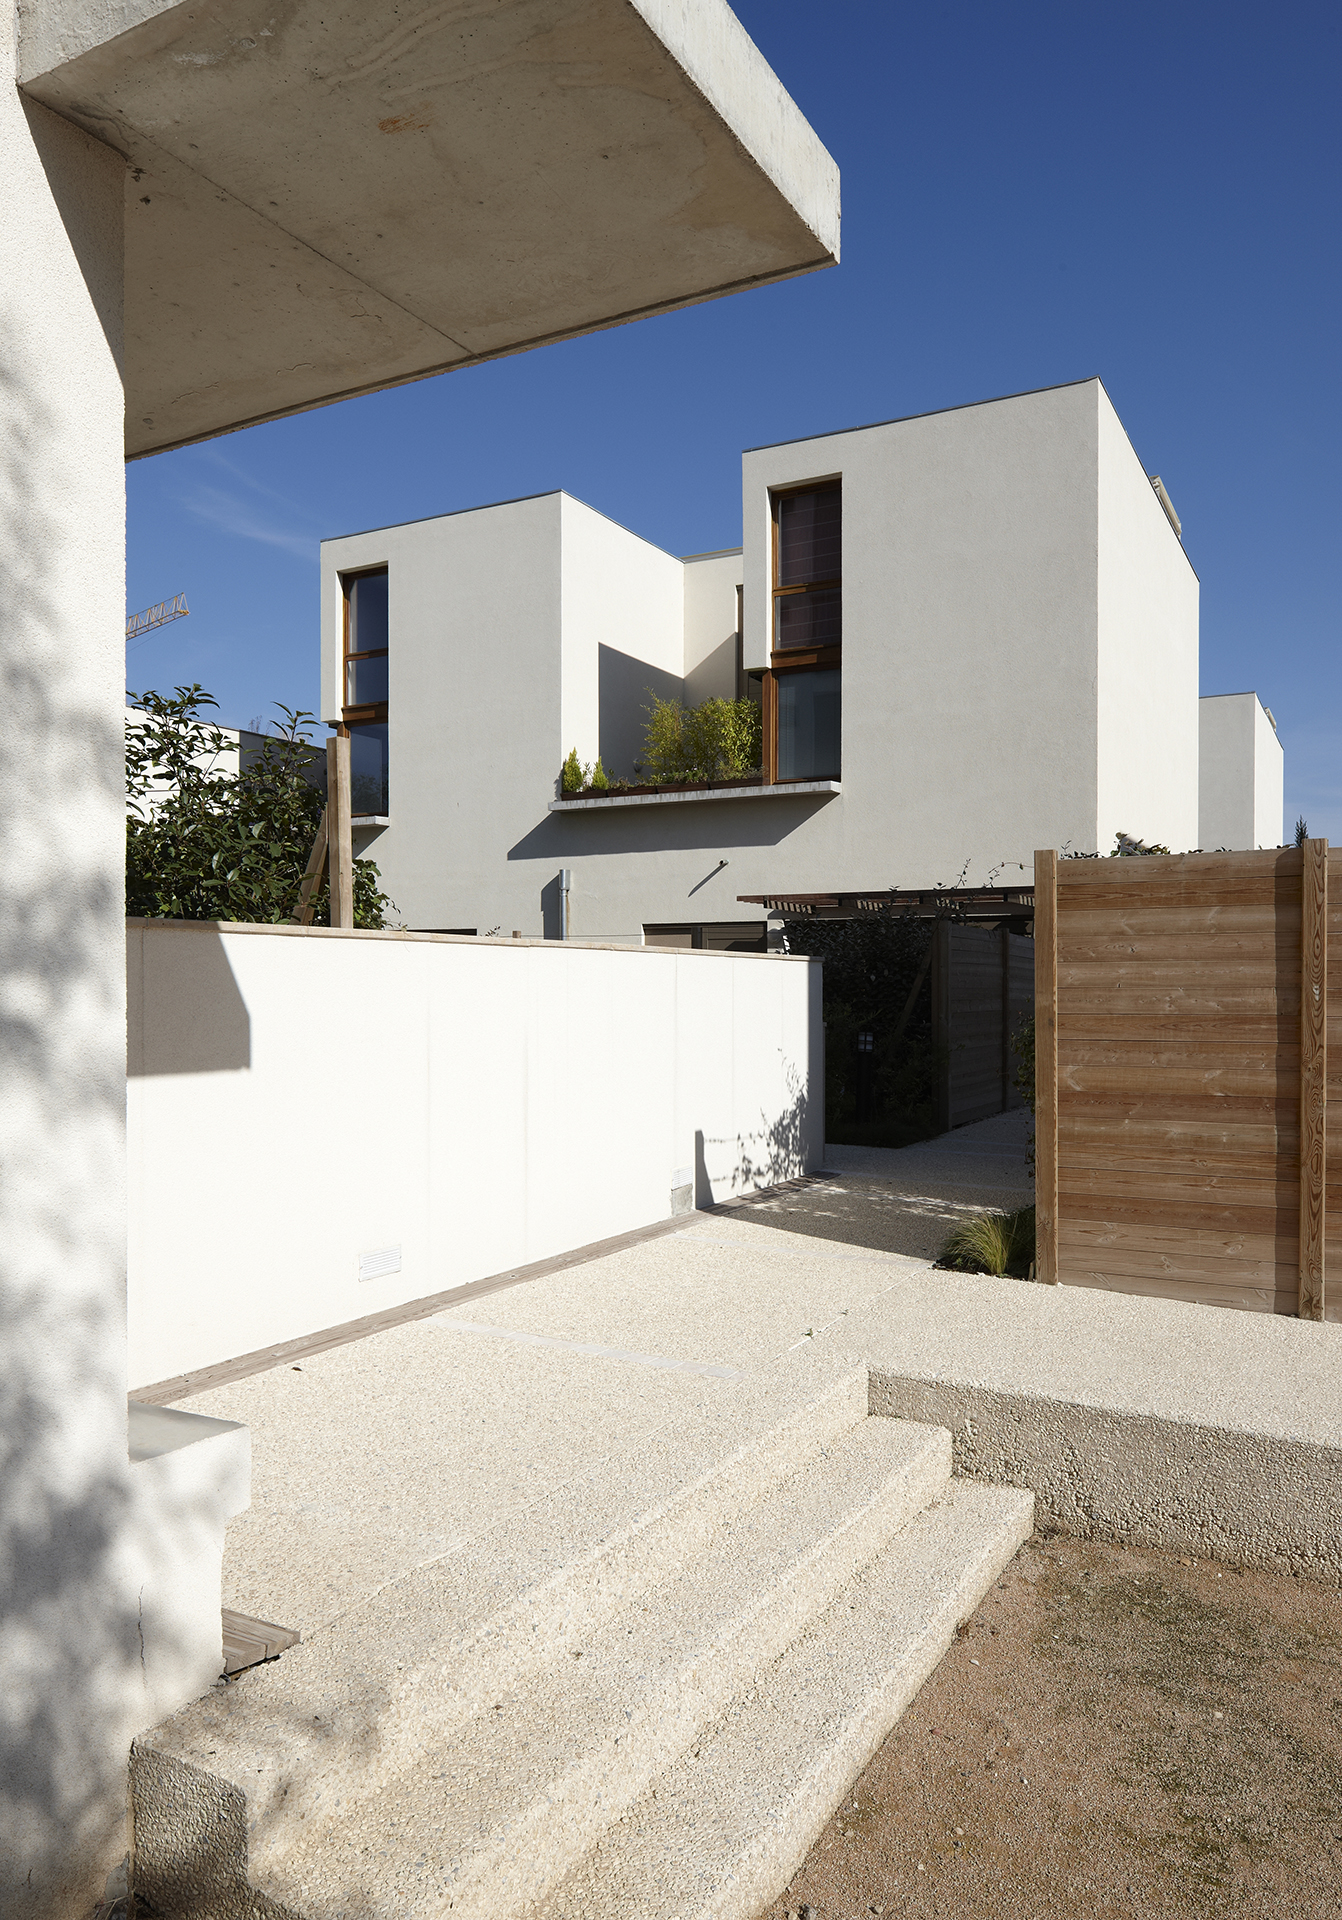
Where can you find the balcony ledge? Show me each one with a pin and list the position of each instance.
(785, 789)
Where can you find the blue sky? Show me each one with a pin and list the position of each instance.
(1032, 194)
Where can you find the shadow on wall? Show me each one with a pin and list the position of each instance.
(625, 687)
(764, 1159)
(69, 1642)
(184, 1012)
(715, 676)
(681, 827)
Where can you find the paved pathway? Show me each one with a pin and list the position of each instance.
(372, 1459)
(906, 1200)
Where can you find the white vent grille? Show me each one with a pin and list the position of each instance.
(372, 1266)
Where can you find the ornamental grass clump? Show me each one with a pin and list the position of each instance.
(996, 1243)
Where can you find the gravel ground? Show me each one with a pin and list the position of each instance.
(1116, 1733)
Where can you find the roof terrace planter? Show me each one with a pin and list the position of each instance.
(752, 788)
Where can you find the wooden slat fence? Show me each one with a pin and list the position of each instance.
(982, 988)
(1188, 1025)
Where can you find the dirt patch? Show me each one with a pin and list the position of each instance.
(1117, 1733)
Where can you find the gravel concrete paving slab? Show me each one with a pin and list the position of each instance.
(852, 1210)
(906, 1200)
(734, 1291)
(1123, 1735)
(374, 1459)
(371, 1459)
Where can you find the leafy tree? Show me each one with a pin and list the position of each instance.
(203, 844)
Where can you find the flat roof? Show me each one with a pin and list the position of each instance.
(901, 419)
(518, 500)
(995, 400)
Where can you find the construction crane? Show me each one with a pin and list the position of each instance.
(159, 616)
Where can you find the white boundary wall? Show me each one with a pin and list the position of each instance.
(299, 1100)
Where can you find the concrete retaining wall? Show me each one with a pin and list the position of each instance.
(306, 1107)
(1156, 1422)
(1240, 1497)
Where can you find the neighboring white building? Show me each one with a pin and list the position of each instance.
(239, 747)
(1241, 773)
(983, 640)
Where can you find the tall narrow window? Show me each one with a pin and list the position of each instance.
(808, 568)
(364, 708)
(802, 687)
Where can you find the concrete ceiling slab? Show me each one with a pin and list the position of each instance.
(323, 199)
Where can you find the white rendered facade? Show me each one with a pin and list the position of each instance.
(1241, 774)
(1019, 669)
(204, 225)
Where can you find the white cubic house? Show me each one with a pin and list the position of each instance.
(972, 633)
(1241, 773)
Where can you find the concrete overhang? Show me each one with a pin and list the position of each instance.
(324, 199)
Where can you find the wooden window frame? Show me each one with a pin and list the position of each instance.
(793, 659)
(366, 715)
(832, 484)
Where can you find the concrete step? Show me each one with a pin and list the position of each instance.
(723, 1830)
(225, 1789)
(472, 1740)
(494, 1811)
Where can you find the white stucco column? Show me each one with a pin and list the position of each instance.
(69, 1644)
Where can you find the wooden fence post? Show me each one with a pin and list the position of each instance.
(312, 877)
(1313, 1072)
(1046, 1065)
(339, 831)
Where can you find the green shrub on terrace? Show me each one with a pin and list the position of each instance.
(573, 776)
(717, 740)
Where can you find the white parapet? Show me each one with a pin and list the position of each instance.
(189, 1476)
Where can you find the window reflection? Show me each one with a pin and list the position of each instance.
(808, 725)
(368, 769)
(366, 681)
(367, 612)
(812, 619)
(810, 536)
